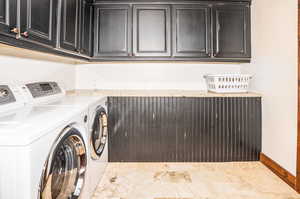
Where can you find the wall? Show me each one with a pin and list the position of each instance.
(274, 63)
(274, 26)
(148, 75)
(21, 70)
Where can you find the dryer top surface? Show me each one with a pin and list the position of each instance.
(26, 125)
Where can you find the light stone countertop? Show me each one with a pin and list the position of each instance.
(158, 93)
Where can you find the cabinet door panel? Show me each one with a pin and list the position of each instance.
(86, 29)
(232, 31)
(191, 29)
(39, 13)
(151, 30)
(3, 11)
(40, 22)
(69, 32)
(142, 129)
(113, 31)
(147, 40)
(8, 16)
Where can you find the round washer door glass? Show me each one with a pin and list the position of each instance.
(99, 133)
(64, 172)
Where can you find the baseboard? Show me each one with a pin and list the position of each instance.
(278, 170)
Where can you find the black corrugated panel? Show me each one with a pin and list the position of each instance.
(178, 129)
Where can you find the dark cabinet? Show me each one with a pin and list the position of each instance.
(8, 17)
(184, 129)
(100, 30)
(191, 31)
(113, 31)
(53, 26)
(86, 29)
(232, 31)
(38, 21)
(151, 30)
(207, 31)
(69, 25)
(147, 130)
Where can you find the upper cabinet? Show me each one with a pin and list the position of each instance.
(112, 31)
(191, 31)
(8, 19)
(140, 30)
(57, 26)
(231, 27)
(86, 29)
(151, 30)
(69, 25)
(199, 31)
(38, 21)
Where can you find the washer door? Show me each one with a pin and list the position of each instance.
(99, 133)
(64, 171)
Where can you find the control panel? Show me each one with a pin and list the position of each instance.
(43, 89)
(6, 95)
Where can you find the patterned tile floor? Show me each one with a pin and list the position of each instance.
(191, 181)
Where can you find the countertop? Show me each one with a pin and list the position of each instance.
(159, 93)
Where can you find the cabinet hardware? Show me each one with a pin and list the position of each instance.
(15, 30)
(4, 93)
(25, 34)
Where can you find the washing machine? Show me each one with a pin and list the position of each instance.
(97, 126)
(43, 150)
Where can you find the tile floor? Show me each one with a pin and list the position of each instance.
(191, 181)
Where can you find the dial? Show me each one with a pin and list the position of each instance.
(4, 93)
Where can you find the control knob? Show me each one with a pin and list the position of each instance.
(3, 93)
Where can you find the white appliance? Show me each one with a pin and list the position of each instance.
(43, 151)
(97, 128)
(10, 98)
(40, 93)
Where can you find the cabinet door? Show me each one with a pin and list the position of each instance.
(151, 30)
(69, 25)
(112, 31)
(86, 29)
(232, 31)
(142, 129)
(191, 31)
(8, 17)
(39, 23)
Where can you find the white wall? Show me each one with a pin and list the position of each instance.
(274, 27)
(22, 70)
(148, 75)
